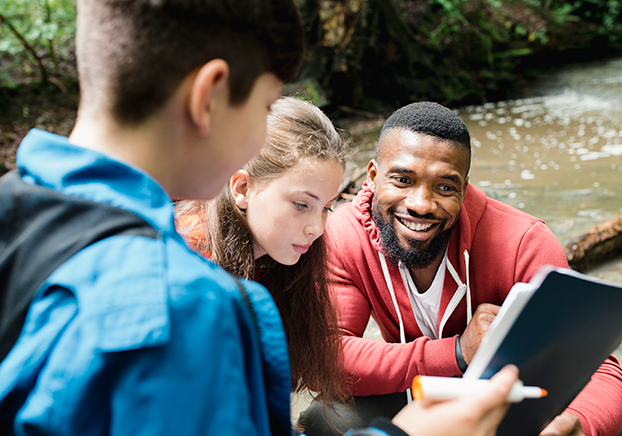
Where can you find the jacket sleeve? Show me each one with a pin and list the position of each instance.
(196, 384)
(598, 406)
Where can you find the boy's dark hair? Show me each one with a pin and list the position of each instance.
(431, 119)
(133, 54)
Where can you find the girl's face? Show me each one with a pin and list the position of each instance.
(288, 213)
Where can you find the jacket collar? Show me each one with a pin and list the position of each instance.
(50, 160)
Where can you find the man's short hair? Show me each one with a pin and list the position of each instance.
(133, 54)
(431, 119)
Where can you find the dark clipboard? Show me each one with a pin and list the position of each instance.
(558, 329)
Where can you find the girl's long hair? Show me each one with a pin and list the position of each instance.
(296, 130)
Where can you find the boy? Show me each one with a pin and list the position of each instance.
(136, 334)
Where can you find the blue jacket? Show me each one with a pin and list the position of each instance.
(135, 335)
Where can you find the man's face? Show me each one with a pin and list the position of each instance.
(419, 183)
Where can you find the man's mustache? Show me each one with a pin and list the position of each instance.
(427, 216)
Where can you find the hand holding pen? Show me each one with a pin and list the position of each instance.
(445, 388)
(476, 414)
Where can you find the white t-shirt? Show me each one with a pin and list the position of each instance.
(426, 305)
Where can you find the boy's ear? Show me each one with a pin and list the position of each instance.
(239, 187)
(210, 83)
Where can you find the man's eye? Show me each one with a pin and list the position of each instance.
(447, 188)
(402, 180)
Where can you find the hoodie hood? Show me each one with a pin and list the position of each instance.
(363, 206)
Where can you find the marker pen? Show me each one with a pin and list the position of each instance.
(443, 388)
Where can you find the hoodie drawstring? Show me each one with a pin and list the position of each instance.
(463, 288)
(387, 279)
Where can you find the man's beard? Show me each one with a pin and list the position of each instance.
(418, 255)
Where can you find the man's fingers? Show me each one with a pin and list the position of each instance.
(476, 329)
(485, 314)
(488, 308)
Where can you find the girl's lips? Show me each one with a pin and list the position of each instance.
(302, 249)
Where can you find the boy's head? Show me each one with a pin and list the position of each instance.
(132, 55)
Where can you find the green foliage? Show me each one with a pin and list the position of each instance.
(451, 22)
(515, 27)
(37, 36)
(605, 14)
(488, 40)
(494, 22)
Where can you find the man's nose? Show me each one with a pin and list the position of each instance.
(421, 200)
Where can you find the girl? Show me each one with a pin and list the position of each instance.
(267, 226)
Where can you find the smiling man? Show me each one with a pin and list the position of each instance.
(431, 259)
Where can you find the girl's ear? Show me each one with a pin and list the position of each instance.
(210, 84)
(239, 185)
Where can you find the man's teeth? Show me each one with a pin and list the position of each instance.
(416, 227)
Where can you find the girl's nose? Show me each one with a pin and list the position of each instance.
(315, 226)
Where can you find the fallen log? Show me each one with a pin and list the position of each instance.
(600, 243)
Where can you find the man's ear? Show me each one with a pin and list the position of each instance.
(239, 185)
(372, 173)
(210, 84)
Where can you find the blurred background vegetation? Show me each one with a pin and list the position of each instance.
(370, 53)
(364, 55)
(37, 42)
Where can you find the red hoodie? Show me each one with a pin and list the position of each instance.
(502, 245)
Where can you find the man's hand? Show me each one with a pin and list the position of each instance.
(566, 424)
(475, 415)
(475, 330)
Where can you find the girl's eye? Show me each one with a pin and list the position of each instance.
(300, 206)
(326, 209)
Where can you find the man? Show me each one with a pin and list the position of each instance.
(431, 258)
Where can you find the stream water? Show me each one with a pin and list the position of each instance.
(555, 153)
